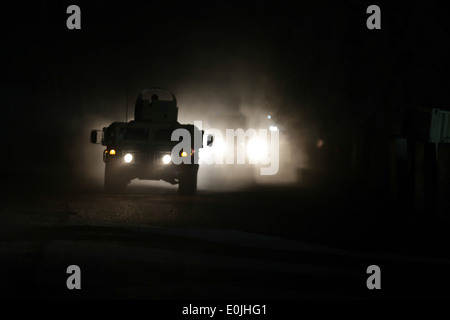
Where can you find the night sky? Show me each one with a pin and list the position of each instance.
(314, 63)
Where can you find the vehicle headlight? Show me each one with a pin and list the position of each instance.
(257, 150)
(166, 159)
(128, 158)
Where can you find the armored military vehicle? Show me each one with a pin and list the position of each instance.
(143, 148)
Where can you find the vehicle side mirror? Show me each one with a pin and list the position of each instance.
(210, 140)
(95, 136)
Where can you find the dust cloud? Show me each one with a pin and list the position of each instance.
(237, 93)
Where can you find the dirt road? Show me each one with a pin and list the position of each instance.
(280, 242)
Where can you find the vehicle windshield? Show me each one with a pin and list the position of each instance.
(136, 134)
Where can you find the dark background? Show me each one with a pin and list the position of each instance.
(320, 72)
(314, 61)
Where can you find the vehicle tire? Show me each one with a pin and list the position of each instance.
(188, 183)
(114, 181)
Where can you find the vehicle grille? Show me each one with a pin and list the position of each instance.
(153, 158)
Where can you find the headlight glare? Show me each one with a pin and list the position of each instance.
(166, 159)
(128, 158)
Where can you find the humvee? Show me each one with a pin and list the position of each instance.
(142, 148)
